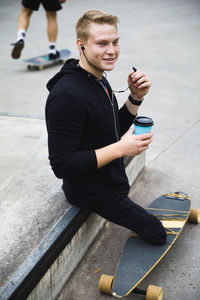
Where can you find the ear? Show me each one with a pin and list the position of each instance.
(80, 44)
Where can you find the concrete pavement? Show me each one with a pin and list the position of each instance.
(166, 36)
(159, 37)
(177, 273)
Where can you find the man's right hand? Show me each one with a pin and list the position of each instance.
(132, 145)
(129, 145)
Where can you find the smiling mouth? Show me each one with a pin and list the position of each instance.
(109, 59)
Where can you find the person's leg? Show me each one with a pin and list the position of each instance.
(126, 213)
(52, 31)
(51, 7)
(23, 20)
(28, 6)
(52, 26)
(22, 23)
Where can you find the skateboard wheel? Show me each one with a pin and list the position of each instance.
(105, 284)
(194, 216)
(154, 293)
(40, 68)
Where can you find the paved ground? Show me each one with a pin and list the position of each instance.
(162, 37)
(159, 37)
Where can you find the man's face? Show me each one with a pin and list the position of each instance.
(102, 48)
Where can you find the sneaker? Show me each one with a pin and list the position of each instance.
(54, 56)
(18, 46)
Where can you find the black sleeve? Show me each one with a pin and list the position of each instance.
(125, 119)
(65, 119)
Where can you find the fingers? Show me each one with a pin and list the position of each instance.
(144, 140)
(145, 144)
(135, 144)
(141, 137)
(144, 136)
(139, 80)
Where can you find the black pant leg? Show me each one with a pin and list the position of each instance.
(126, 213)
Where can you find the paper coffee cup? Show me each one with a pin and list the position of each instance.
(142, 124)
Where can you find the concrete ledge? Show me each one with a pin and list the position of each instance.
(52, 283)
(134, 166)
(45, 271)
(42, 257)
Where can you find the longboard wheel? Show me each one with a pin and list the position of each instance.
(40, 68)
(105, 284)
(34, 68)
(154, 293)
(194, 216)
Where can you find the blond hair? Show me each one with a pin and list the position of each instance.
(93, 16)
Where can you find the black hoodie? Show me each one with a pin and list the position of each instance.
(81, 117)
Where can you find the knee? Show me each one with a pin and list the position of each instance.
(51, 15)
(156, 234)
(159, 238)
(26, 12)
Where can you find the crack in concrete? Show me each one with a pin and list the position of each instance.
(26, 116)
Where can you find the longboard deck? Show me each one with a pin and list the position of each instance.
(42, 61)
(140, 257)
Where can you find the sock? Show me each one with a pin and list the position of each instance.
(21, 34)
(52, 47)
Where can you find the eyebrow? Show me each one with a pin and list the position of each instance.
(105, 40)
(117, 39)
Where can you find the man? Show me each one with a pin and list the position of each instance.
(87, 135)
(28, 6)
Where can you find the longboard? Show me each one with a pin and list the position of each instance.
(139, 257)
(43, 61)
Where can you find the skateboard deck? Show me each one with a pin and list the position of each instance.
(43, 61)
(139, 257)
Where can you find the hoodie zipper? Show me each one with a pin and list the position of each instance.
(113, 109)
(114, 116)
(112, 104)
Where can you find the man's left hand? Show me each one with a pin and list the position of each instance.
(139, 84)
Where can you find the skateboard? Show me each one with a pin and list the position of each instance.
(43, 61)
(139, 258)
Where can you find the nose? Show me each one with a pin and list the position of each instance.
(110, 49)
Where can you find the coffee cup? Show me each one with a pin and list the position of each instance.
(142, 124)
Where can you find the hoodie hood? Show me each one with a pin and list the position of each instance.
(70, 66)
